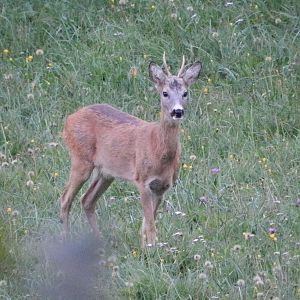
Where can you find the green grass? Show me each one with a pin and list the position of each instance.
(243, 119)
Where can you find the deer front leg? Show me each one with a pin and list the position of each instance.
(148, 227)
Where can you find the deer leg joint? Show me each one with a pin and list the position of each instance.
(158, 187)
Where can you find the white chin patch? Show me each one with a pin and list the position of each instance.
(176, 118)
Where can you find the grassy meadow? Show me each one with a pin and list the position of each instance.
(230, 227)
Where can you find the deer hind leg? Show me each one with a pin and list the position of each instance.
(80, 172)
(96, 189)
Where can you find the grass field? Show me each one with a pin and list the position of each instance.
(230, 228)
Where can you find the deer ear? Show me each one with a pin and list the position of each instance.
(156, 74)
(191, 75)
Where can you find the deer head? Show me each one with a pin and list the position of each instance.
(173, 89)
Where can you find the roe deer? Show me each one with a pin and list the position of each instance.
(118, 145)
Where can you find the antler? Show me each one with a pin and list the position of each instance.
(165, 64)
(182, 66)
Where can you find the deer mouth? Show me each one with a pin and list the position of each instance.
(177, 114)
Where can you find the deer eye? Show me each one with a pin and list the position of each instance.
(165, 94)
(185, 94)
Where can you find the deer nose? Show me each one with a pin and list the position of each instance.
(177, 113)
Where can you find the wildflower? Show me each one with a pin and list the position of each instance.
(258, 281)
(29, 58)
(30, 174)
(10, 59)
(193, 157)
(134, 253)
(209, 80)
(236, 248)
(272, 230)
(161, 245)
(123, 2)
(145, 56)
(205, 90)
(5, 51)
(29, 183)
(268, 58)
(128, 284)
(179, 233)
(8, 76)
(153, 6)
(14, 162)
(187, 167)
(208, 265)
(2, 156)
(215, 171)
(248, 235)
(174, 16)
(260, 296)
(227, 4)
(173, 250)
(3, 283)
(202, 276)
(239, 21)
(190, 8)
(203, 200)
(39, 52)
(9, 210)
(241, 283)
(273, 237)
(179, 213)
(15, 213)
(5, 164)
(197, 257)
(134, 72)
(55, 174)
(30, 96)
(49, 66)
(52, 145)
(256, 278)
(298, 202)
(277, 21)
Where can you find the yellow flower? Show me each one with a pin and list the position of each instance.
(209, 80)
(134, 253)
(55, 174)
(205, 90)
(5, 51)
(29, 58)
(187, 167)
(9, 210)
(153, 6)
(273, 237)
(134, 72)
(10, 59)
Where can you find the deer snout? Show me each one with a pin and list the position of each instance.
(177, 113)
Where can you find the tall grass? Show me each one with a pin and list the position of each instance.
(230, 228)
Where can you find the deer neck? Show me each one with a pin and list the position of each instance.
(169, 136)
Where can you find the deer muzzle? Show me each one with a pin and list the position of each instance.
(177, 113)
